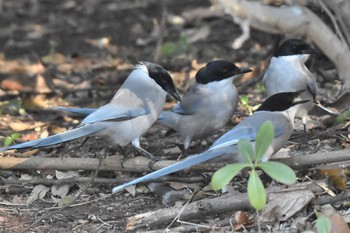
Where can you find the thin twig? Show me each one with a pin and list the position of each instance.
(333, 199)
(177, 217)
(97, 180)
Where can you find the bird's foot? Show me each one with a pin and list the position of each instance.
(305, 138)
(153, 159)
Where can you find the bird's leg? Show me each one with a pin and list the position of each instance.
(183, 148)
(145, 153)
(187, 143)
(136, 144)
(304, 120)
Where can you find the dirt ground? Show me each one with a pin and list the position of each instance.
(86, 50)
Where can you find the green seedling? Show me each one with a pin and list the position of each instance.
(10, 139)
(253, 160)
(261, 87)
(13, 107)
(342, 117)
(245, 102)
(323, 225)
(173, 49)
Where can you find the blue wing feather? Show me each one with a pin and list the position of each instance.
(114, 113)
(81, 111)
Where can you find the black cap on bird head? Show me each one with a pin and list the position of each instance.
(294, 47)
(162, 78)
(218, 70)
(282, 101)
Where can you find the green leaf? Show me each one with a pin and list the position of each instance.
(256, 191)
(172, 49)
(8, 140)
(264, 139)
(342, 117)
(169, 49)
(244, 100)
(14, 136)
(223, 176)
(279, 171)
(261, 87)
(323, 224)
(245, 149)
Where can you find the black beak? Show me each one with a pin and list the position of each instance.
(310, 50)
(174, 94)
(244, 70)
(301, 102)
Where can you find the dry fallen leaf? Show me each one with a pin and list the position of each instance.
(30, 136)
(180, 185)
(60, 190)
(337, 176)
(338, 224)
(40, 85)
(66, 200)
(20, 126)
(131, 189)
(38, 192)
(56, 58)
(241, 219)
(34, 102)
(17, 200)
(282, 205)
(20, 67)
(54, 129)
(13, 85)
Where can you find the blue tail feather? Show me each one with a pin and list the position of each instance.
(69, 135)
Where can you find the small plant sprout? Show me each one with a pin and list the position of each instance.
(253, 160)
(173, 49)
(323, 224)
(342, 117)
(245, 102)
(261, 87)
(10, 139)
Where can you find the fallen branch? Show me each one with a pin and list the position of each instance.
(344, 196)
(98, 180)
(110, 163)
(206, 207)
(307, 161)
(293, 19)
(140, 164)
